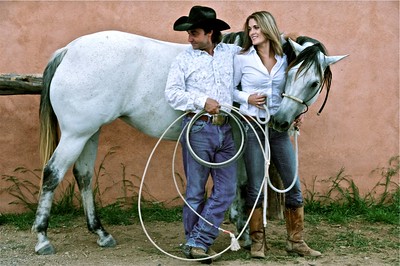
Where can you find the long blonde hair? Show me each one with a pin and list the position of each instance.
(268, 27)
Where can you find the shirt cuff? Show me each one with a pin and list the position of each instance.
(200, 102)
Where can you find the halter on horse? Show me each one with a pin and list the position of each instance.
(307, 74)
(91, 82)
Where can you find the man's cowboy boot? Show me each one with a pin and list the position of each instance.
(257, 234)
(295, 227)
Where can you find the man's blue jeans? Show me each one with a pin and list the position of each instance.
(282, 156)
(213, 144)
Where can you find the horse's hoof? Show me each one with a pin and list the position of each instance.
(45, 249)
(107, 242)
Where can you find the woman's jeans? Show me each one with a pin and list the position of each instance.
(213, 144)
(282, 156)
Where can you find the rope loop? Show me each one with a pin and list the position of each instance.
(237, 155)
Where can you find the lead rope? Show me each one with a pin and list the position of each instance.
(267, 161)
(267, 158)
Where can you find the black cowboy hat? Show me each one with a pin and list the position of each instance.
(199, 17)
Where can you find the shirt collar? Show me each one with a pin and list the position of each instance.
(253, 50)
(197, 52)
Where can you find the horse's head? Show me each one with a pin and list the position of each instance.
(307, 74)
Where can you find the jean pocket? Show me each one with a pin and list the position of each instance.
(197, 126)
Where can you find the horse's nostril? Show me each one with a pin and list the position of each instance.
(285, 125)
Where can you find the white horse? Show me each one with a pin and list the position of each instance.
(92, 81)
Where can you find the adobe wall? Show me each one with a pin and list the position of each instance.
(358, 130)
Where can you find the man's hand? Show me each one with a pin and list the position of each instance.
(212, 106)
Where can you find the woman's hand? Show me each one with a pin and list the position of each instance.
(257, 100)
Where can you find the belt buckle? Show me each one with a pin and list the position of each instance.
(218, 120)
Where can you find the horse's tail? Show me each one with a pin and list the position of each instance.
(48, 121)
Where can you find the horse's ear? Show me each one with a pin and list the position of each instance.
(297, 48)
(330, 60)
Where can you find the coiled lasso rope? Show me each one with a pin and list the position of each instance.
(234, 243)
(221, 164)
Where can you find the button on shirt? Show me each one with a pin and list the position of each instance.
(254, 77)
(195, 76)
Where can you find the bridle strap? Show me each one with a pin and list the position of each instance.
(294, 98)
(325, 100)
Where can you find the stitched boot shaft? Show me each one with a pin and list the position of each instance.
(257, 234)
(295, 228)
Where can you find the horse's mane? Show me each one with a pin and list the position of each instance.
(309, 56)
(233, 38)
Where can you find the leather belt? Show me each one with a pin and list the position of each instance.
(217, 119)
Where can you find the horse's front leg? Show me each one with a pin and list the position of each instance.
(238, 216)
(83, 172)
(51, 179)
(238, 212)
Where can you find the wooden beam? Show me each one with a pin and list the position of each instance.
(18, 84)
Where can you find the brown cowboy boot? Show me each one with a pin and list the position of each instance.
(295, 227)
(257, 234)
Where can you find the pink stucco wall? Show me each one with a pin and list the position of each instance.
(358, 130)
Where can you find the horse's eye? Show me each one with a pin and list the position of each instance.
(314, 84)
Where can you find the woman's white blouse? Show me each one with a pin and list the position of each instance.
(253, 77)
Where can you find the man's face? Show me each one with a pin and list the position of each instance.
(199, 39)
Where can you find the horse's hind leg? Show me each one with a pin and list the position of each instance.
(50, 182)
(63, 157)
(83, 172)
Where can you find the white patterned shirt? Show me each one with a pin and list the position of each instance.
(195, 76)
(254, 77)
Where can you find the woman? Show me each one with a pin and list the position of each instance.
(260, 71)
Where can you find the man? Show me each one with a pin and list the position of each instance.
(201, 78)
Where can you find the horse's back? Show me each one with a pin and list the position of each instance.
(113, 74)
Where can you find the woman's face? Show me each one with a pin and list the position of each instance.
(255, 34)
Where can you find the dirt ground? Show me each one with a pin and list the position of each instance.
(76, 246)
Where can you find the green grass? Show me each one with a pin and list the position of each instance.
(116, 215)
(340, 204)
(343, 202)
